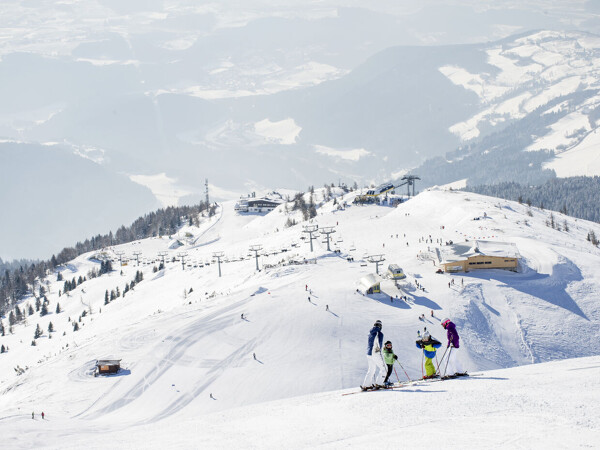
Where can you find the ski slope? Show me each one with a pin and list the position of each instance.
(179, 347)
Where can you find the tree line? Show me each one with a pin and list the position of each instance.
(18, 281)
(575, 196)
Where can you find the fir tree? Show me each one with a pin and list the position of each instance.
(59, 276)
(106, 297)
(58, 310)
(18, 314)
(2, 332)
(12, 319)
(50, 328)
(44, 310)
(33, 344)
(38, 303)
(30, 310)
(2, 349)
(38, 332)
(75, 326)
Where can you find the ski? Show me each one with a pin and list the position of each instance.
(382, 388)
(402, 384)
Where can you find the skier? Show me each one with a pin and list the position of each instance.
(453, 341)
(429, 346)
(33, 415)
(374, 358)
(43, 415)
(389, 358)
(451, 333)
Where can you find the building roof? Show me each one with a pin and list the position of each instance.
(367, 282)
(108, 362)
(461, 252)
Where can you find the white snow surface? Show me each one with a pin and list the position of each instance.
(181, 337)
(582, 159)
(283, 131)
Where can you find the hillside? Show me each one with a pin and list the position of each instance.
(181, 337)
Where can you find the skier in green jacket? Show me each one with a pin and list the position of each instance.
(389, 358)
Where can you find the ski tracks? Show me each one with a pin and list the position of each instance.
(187, 336)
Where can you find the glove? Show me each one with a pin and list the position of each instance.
(395, 357)
(377, 349)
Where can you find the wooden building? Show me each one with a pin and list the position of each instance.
(480, 255)
(106, 366)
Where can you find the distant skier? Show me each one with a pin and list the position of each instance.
(374, 357)
(33, 415)
(389, 358)
(429, 346)
(43, 415)
(326, 307)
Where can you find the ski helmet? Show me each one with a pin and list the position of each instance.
(388, 343)
(445, 322)
(377, 323)
(426, 336)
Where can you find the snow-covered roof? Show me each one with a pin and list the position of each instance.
(368, 281)
(460, 252)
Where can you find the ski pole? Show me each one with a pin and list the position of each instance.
(422, 356)
(396, 375)
(382, 360)
(448, 360)
(404, 370)
(441, 361)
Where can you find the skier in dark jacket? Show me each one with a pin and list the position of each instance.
(374, 358)
(451, 333)
(453, 365)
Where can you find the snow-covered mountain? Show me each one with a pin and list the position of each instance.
(181, 337)
(528, 73)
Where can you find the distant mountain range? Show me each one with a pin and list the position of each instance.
(246, 109)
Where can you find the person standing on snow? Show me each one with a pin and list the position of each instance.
(451, 333)
(453, 342)
(374, 358)
(429, 346)
(389, 357)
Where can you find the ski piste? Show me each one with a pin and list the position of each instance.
(420, 381)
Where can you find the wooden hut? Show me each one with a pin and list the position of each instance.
(107, 366)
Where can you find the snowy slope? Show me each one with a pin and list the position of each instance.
(551, 405)
(178, 346)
